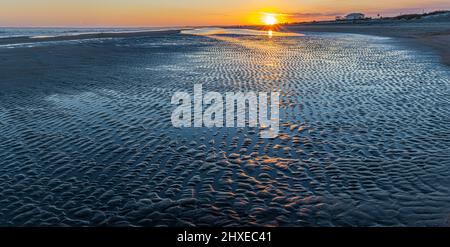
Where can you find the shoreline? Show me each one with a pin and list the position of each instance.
(27, 39)
(434, 35)
(431, 35)
(87, 127)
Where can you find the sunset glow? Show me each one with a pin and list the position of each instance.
(270, 19)
(140, 13)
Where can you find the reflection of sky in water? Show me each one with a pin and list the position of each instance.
(363, 134)
(231, 31)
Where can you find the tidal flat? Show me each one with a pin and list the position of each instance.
(86, 136)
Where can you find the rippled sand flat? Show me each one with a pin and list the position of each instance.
(86, 137)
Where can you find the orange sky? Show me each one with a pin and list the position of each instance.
(192, 12)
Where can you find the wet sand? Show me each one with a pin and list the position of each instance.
(103, 35)
(435, 35)
(86, 137)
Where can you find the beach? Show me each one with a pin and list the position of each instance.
(427, 34)
(87, 138)
(63, 35)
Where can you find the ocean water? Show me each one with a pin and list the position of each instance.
(54, 32)
(86, 137)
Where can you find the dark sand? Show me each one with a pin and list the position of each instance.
(86, 137)
(435, 35)
(135, 34)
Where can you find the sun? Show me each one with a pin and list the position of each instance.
(270, 19)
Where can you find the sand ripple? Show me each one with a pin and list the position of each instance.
(86, 136)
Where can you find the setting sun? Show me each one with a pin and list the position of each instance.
(270, 19)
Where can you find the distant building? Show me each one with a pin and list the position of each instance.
(355, 16)
(339, 18)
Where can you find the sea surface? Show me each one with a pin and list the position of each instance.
(55, 32)
(86, 137)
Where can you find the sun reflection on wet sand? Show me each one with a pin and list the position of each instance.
(233, 31)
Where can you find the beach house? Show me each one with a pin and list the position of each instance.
(355, 16)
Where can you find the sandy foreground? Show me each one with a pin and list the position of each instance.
(435, 35)
(87, 138)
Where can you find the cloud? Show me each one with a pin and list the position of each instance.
(303, 15)
(309, 16)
